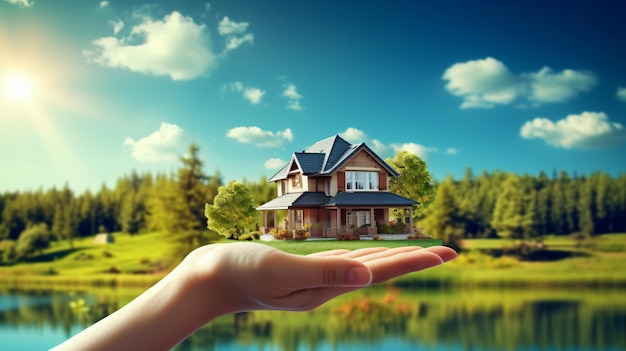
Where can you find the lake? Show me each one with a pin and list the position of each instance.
(378, 318)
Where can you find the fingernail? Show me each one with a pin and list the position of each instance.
(359, 276)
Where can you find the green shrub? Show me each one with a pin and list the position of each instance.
(7, 252)
(384, 229)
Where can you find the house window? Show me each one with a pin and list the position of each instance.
(358, 218)
(296, 180)
(299, 218)
(356, 181)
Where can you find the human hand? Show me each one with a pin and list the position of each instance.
(214, 280)
(255, 276)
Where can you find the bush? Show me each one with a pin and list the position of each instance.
(33, 240)
(7, 252)
(398, 228)
(301, 234)
(348, 237)
(283, 234)
(384, 229)
(246, 237)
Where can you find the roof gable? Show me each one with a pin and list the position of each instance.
(325, 157)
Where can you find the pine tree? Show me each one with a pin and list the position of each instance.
(443, 220)
(511, 218)
(177, 207)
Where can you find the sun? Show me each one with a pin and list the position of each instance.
(18, 87)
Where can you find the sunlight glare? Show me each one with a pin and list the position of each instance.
(18, 87)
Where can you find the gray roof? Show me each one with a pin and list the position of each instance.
(342, 199)
(325, 157)
(370, 198)
(310, 163)
(290, 200)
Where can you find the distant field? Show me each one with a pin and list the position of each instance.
(136, 261)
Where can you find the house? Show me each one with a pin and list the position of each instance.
(334, 187)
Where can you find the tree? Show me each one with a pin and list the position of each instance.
(443, 220)
(233, 211)
(511, 216)
(177, 204)
(413, 181)
(34, 239)
(262, 191)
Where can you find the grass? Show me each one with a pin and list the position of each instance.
(139, 261)
(309, 247)
(569, 265)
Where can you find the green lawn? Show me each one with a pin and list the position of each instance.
(311, 246)
(139, 261)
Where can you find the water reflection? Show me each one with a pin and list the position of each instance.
(372, 319)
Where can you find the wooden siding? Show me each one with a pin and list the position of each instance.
(362, 159)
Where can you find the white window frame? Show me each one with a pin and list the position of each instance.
(362, 218)
(361, 181)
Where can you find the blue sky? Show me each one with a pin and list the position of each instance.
(94, 89)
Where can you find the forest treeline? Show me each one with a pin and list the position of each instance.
(485, 205)
(170, 203)
(508, 205)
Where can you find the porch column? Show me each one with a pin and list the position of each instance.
(372, 220)
(265, 222)
(411, 219)
(276, 219)
(338, 223)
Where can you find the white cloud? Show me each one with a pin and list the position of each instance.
(117, 26)
(256, 136)
(274, 163)
(175, 47)
(417, 149)
(546, 86)
(482, 83)
(353, 135)
(235, 42)
(162, 145)
(452, 151)
(227, 27)
(103, 4)
(254, 95)
(587, 130)
(621, 93)
(234, 33)
(293, 97)
(25, 3)
(378, 146)
(488, 82)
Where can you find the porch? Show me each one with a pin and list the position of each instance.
(346, 213)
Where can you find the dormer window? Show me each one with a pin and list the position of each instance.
(296, 180)
(361, 181)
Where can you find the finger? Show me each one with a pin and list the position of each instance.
(388, 267)
(364, 252)
(336, 252)
(369, 256)
(446, 253)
